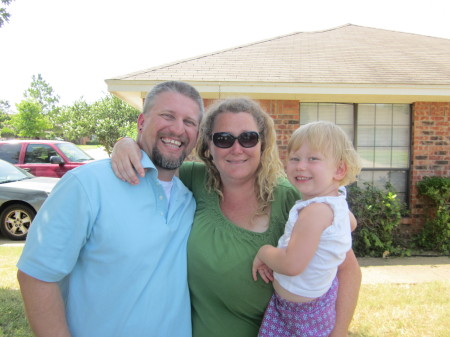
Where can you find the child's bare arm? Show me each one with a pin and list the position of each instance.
(303, 243)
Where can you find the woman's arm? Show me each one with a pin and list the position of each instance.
(126, 161)
(353, 221)
(349, 275)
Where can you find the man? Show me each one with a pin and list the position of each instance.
(105, 258)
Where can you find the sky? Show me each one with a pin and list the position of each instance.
(75, 45)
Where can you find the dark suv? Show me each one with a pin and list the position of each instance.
(43, 158)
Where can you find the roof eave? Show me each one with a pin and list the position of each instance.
(134, 92)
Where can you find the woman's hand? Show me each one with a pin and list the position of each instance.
(126, 161)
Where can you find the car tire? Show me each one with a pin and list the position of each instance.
(16, 220)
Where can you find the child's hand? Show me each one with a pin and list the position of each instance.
(261, 268)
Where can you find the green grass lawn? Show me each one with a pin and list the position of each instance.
(12, 317)
(384, 310)
(409, 310)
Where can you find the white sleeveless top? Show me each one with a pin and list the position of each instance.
(334, 243)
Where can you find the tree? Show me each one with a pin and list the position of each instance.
(4, 15)
(5, 107)
(5, 119)
(112, 118)
(43, 93)
(75, 121)
(5, 113)
(29, 122)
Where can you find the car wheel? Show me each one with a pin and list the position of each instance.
(16, 220)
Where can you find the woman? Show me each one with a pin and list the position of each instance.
(243, 201)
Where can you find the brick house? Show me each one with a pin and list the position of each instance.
(389, 90)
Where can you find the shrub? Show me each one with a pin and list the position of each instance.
(435, 234)
(378, 213)
(7, 132)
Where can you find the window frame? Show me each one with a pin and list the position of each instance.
(404, 195)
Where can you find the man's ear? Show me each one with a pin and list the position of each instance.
(140, 122)
(341, 171)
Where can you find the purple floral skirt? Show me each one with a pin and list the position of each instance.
(289, 319)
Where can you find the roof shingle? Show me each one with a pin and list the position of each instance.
(349, 54)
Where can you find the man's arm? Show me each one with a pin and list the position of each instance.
(44, 306)
(349, 275)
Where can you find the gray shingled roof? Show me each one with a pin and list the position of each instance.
(347, 54)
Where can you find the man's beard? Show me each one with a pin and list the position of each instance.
(167, 164)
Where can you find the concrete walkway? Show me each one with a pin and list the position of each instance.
(414, 269)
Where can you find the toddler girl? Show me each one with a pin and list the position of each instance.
(317, 236)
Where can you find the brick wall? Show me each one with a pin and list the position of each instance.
(430, 152)
(286, 117)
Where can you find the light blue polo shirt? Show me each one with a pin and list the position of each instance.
(118, 252)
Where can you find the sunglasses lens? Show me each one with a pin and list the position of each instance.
(223, 140)
(248, 139)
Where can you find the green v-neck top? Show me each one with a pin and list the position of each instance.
(225, 300)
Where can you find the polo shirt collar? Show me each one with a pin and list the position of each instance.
(147, 162)
(148, 165)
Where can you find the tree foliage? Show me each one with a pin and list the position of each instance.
(38, 112)
(112, 118)
(76, 121)
(43, 93)
(4, 14)
(29, 122)
(5, 119)
(5, 107)
(39, 116)
(435, 234)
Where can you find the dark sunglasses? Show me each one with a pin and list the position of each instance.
(225, 140)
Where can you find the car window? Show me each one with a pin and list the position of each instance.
(10, 152)
(39, 154)
(9, 172)
(73, 152)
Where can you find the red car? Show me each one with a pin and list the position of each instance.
(43, 158)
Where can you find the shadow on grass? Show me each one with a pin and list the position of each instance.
(12, 315)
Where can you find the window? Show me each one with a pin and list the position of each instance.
(39, 154)
(380, 134)
(340, 114)
(10, 152)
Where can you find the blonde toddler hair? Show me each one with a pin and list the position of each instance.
(330, 140)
